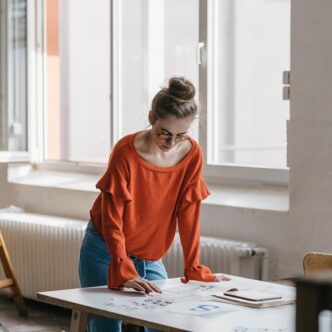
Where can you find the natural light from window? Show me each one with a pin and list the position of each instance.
(248, 50)
(78, 80)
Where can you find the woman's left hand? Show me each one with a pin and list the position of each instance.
(221, 277)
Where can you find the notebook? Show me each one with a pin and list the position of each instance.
(253, 298)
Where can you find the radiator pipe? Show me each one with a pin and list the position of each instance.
(263, 257)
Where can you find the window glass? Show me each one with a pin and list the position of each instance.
(77, 93)
(13, 70)
(248, 50)
(155, 40)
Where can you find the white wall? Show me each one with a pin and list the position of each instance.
(311, 122)
(308, 224)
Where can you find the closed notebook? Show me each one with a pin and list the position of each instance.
(254, 298)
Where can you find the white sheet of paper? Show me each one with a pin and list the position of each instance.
(191, 292)
(245, 329)
(198, 308)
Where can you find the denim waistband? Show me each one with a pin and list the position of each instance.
(139, 263)
(90, 226)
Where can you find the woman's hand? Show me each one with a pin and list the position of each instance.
(142, 285)
(221, 277)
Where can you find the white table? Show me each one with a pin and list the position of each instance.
(87, 302)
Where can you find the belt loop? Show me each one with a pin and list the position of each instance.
(141, 267)
(144, 269)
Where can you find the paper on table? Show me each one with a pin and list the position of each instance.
(194, 291)
(245, 329)
(191, 292)
(198, 308)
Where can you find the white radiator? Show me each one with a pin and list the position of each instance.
(239, 258)
(45, 251)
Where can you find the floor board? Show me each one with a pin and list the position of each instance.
(41, 317)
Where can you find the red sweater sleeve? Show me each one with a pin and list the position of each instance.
(188, 223)
(114, 197)
(121, 267)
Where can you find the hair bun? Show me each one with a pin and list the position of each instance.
(181, 88)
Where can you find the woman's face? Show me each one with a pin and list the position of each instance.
(170, 131)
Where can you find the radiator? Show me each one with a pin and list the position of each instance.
(238, 258)
(45, 250)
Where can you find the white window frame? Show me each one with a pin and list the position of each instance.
(5, 155)
(115, 73)
(225, 173)
(37, 103)
(37, 98)
(36, 79)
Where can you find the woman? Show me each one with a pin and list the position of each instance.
(152, 185)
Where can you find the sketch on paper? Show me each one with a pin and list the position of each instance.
(245, 329)
(198, 308)
(184, 294)
(192, 292)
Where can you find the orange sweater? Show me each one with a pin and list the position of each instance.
(140, 205)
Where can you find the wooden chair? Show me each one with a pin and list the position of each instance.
(10, 281)
(312, 262)
(317, 262)
(314, 294)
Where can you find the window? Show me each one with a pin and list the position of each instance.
(153, 40)
(93, 96)
(247, 48)
(77, 80)
(95, 73)
(13, 83)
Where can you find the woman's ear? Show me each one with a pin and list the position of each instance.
(151, 118)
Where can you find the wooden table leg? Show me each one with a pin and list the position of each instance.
(79, 321)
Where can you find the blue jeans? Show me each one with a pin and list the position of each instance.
(93, 271)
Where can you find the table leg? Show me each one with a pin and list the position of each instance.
(79, 321)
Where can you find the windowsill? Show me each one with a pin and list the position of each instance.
(267, 197)
(25, 175)
(264, 197)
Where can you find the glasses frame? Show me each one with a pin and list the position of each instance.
(169, 137)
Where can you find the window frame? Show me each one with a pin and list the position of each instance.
(37, 103)
(225, 172)
(7, 156)
(37, 98)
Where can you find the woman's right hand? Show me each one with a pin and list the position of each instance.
(142, 285)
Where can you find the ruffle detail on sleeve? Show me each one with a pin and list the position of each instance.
(120, 271)
(115, 187)
(195, 192)
(199, 273)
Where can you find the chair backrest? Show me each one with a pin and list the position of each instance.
(317, 261)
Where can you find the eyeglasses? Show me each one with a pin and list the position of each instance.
(169, 137)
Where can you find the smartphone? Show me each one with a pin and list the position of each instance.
(252, 295)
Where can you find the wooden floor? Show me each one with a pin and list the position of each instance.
(42, 317)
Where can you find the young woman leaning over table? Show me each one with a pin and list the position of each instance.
(153, 183)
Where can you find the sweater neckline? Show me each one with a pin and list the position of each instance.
(147, 164)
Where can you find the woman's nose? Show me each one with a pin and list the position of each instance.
(171, 141)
